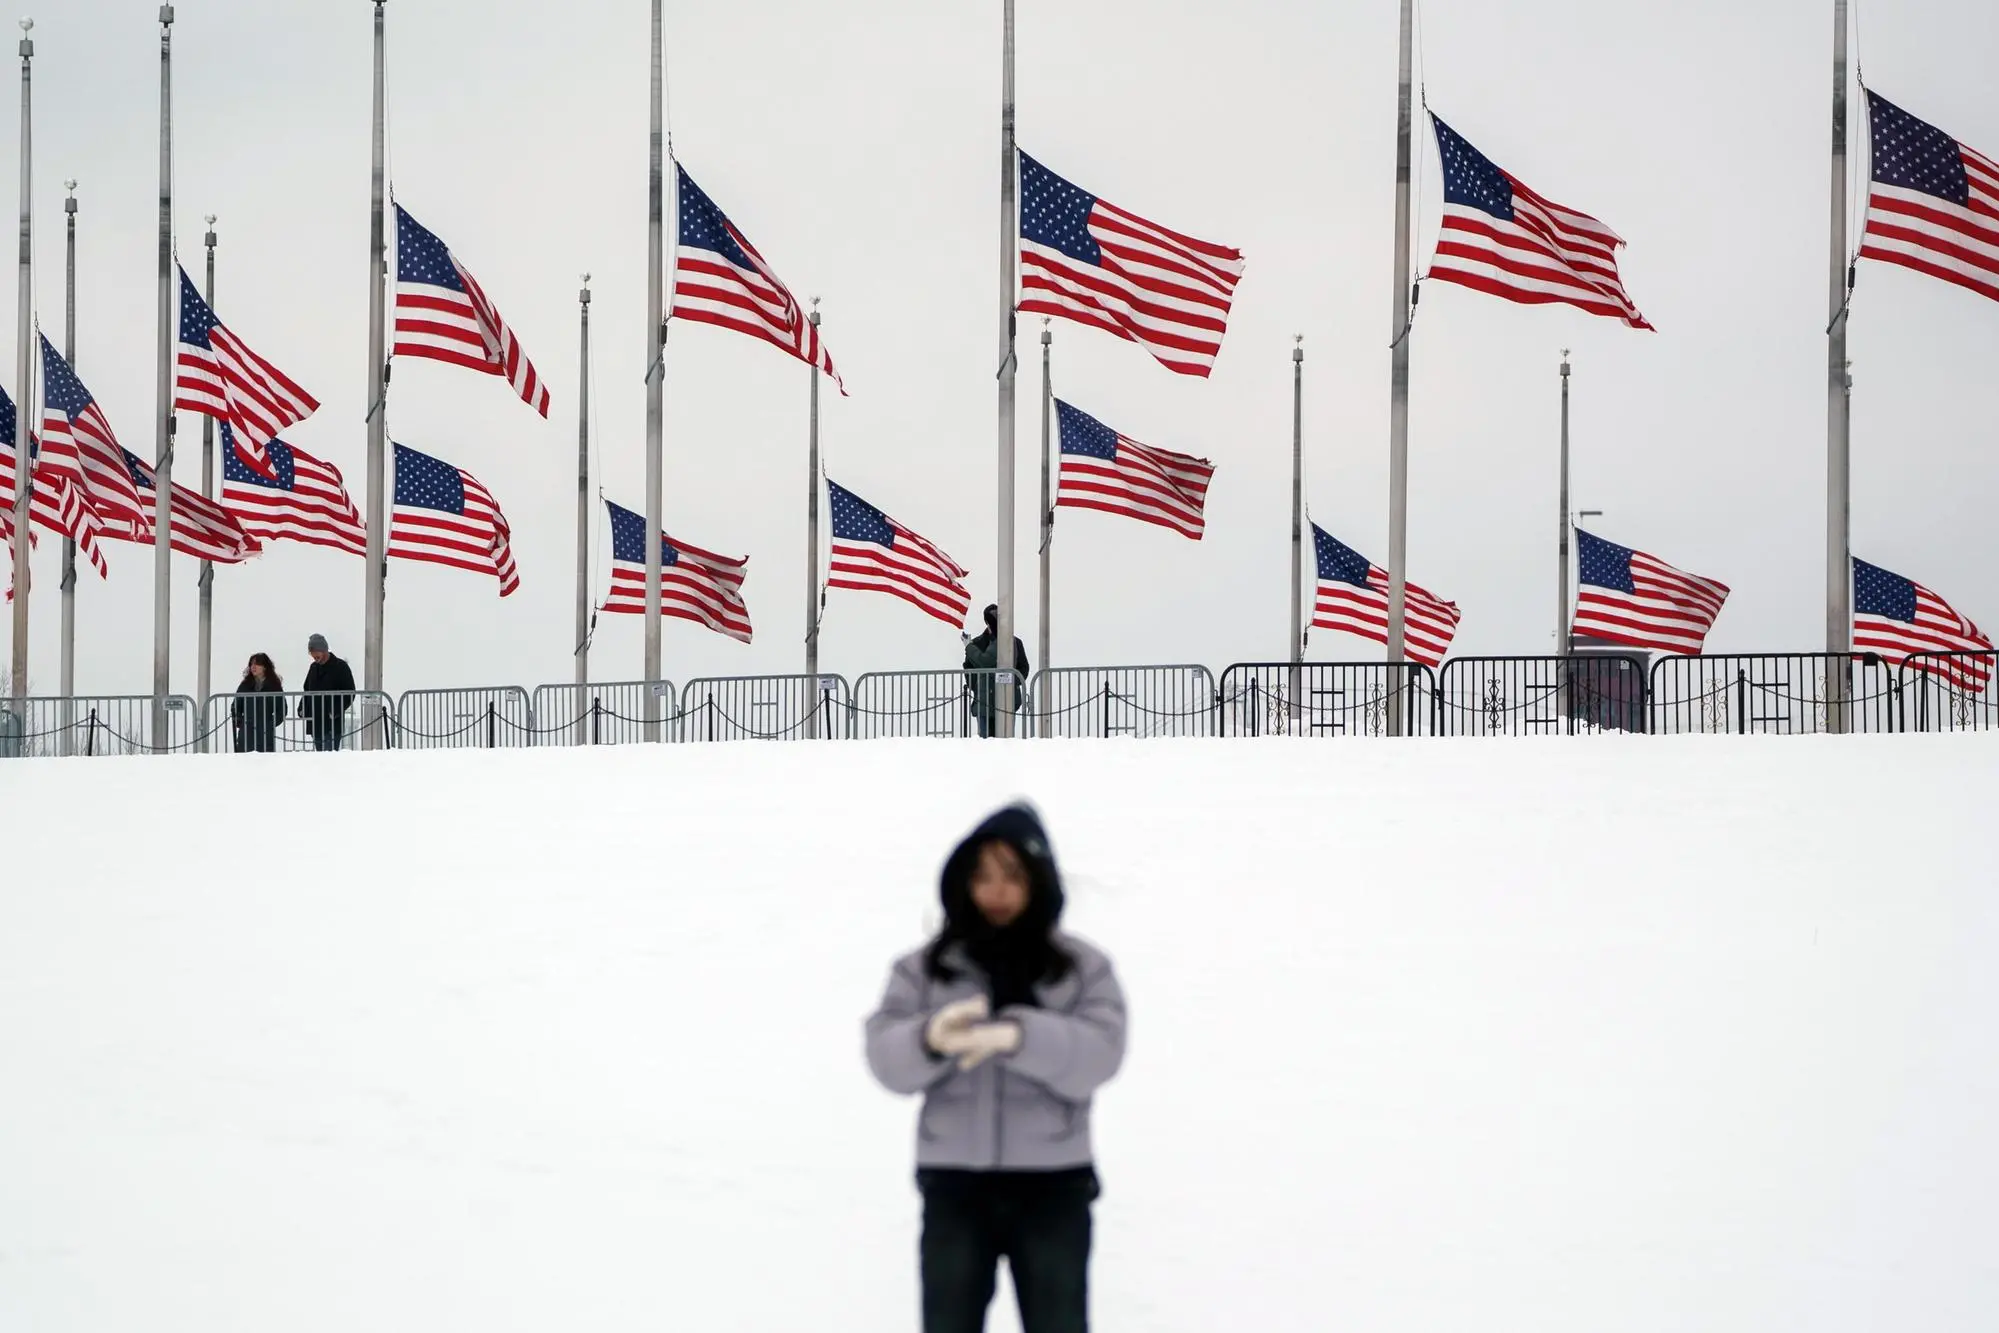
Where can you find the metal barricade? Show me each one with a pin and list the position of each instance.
(602, 713)
(1949, 692)
(1579, 695)
(927, 703)
(13, 733)
(1774, 694)
(490, 718)
(1121, 701)
(1321, 698)
(775, 708)
(290, 722)
(106, 724)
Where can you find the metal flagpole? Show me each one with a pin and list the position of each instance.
(583, 493)
(163, 438)
(812, 548)
(1562, 527)
(205, 631)
(1296, 685)
(655, 372)
(1047, 493)
(1398, 402)
(1838, 514)
(1003, 691)
(24, 386)
(69, 543)
(378, 399)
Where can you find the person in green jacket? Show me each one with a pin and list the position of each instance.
(982, 655)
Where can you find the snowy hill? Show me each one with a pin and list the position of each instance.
(1591, 1035)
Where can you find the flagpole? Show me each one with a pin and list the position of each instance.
(378, 395)
(24, 463)
(582, 640)
(812, 546)
(1297, 653)
(163, 438)
(1562, 527)
(68, 668)
(1398, 402)
(1009, 247)
(1838, 510)
(1047, 493)
(204, 633)
(655, 372)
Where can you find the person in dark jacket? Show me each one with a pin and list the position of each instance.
(329, 688)
(982, 655)
(1007, 1026)
(258, 709)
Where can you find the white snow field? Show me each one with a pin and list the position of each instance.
(1591, 1035)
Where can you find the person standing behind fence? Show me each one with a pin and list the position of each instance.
(982, 655)
(329, 690)
(258, 709)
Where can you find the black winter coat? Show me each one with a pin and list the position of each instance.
(333, 681)
(256, 714)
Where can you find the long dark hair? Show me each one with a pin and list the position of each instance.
(270, 671)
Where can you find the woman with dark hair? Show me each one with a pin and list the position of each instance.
(259, 707)
(1007, 1026)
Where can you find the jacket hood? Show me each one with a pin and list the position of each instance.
(1020, 827)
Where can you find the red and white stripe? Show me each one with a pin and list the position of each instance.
(699, 586)
(200, 527)
(913, 569)
(1934, 236)
(316, 510)
(231, 383)
(1938, 628)
(89, 455)
(1151, 485)
(1668, 611)
(478, 541)
(464, 329)
(1429, 623)
(54, 506)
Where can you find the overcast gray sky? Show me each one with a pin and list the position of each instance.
(857, 146)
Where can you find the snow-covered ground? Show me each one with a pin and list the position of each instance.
(1649, 1034)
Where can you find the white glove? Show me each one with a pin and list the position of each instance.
(946, 1033)
(984, 1041)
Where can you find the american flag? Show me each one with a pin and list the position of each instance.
(1626, 596)
(1501, 238)
(874, 553)
(441, 313)
(1086, 260)
(201, 528)
(446, 516)
(694, 584)
(1102, 469)
(78, 443)
(1353, 596)
(1898, 618)
(219, 376)
(305, 501)
(1934, 206)
(719, 278)
(55, 504)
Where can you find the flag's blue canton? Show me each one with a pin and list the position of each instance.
(1337, 560)
(197, 321)
(1603, 564)
(1876, 592)
(135, 465)
(7, 435)
(424, 482)
(855, 520)
(1469, 176)
(421, 257)
(1055, 213)
(703, 227)
(1084, 434)
(236, 470)
(1911, 154)
(628, 539)
(61, 389)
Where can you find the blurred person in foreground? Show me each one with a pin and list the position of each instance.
(258, 709)
(1007, 1026)
(329, 689)
(982, 655)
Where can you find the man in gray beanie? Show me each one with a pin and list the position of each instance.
(329, 689)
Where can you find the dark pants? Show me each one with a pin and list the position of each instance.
(1039, 1222)
(326, 731)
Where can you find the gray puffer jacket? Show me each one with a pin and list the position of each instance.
(1029, 1111)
